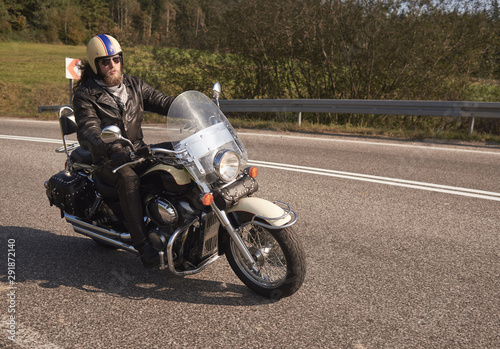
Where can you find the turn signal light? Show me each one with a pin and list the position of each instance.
(253, 171)
(208, 199)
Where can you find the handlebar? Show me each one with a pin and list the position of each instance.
(154, 151)
(128, 164)
(166, 151)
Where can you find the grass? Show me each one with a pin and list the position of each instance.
(33, 74)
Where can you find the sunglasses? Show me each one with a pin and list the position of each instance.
(107, 61)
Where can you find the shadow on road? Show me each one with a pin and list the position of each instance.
(55, 260)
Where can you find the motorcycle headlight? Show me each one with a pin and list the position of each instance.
(227, 165)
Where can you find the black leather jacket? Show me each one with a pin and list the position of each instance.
(95, 109)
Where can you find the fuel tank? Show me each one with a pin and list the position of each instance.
(161, 178)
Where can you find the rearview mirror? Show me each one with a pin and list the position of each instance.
(112, 134)
(216, 92)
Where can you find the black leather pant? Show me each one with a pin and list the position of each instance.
(128, 184)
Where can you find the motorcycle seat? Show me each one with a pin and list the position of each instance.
(82, 156)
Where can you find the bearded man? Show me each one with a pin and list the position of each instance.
(105, 96)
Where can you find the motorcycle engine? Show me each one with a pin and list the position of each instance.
(162, 212)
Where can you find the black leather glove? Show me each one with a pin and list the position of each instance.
(143, 151)
(118, 155)
(120, 158)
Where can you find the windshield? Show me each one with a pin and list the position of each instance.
(197, 125)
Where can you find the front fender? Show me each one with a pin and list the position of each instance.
(263, 208)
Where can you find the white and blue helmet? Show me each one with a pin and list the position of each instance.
(101, 46)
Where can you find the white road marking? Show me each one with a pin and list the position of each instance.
(479, 194)
(31, 139)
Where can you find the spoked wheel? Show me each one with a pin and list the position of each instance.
(280, 261)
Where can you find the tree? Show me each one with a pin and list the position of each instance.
(122, 12)
(95, 15)
(13, 16)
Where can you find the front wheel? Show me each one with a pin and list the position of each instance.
(280, 266)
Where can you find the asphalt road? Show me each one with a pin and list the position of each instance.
(402, 243)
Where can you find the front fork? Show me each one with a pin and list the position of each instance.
(233, 233)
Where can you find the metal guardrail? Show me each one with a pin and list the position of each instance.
(366, 106)
(42, 108)
(358, 106)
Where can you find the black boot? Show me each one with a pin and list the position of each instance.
(149, 256)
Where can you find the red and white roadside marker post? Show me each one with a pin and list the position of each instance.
(72, 73)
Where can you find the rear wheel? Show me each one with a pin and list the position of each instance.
(280, 260)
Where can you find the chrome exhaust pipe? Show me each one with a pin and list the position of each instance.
(105, 235)
(74, 220)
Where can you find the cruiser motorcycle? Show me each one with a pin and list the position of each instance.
(198, 199)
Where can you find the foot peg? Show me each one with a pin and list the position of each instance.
(162, 260)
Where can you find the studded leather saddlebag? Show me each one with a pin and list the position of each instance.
(72, 193)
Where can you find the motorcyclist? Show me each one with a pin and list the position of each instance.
(105, 96)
